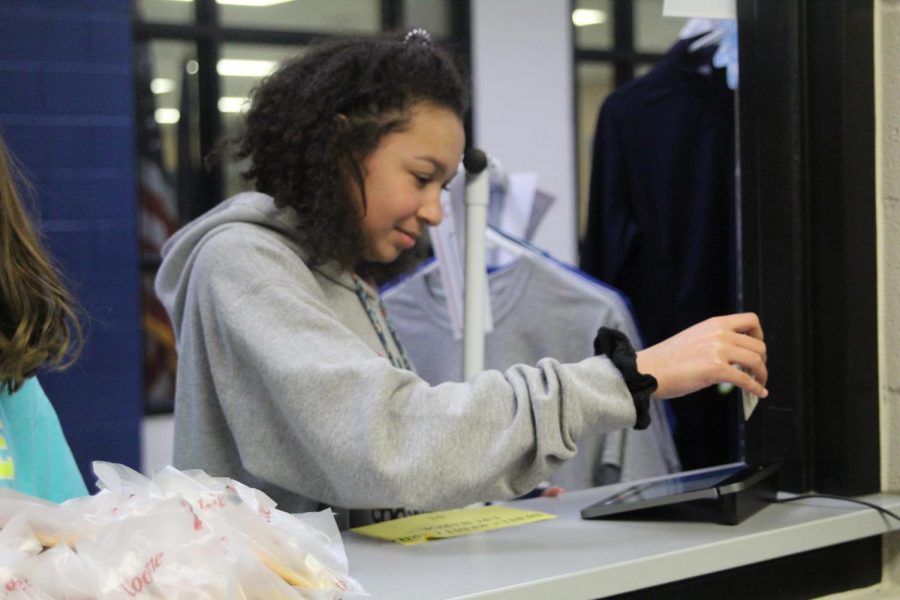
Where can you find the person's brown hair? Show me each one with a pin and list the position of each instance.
(39, 322)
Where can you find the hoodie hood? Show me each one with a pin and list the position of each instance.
(180, 251)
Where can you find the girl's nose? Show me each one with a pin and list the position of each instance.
(431, 212)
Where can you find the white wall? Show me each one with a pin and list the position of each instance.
(887, 89)
(157, 435)
(523, 104)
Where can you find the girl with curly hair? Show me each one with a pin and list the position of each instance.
(290, 376)
(38, 327)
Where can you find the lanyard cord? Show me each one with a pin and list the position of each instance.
(366, 299)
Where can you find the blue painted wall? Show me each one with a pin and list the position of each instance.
(66, 112)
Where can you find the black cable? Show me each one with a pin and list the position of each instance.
(880, 509)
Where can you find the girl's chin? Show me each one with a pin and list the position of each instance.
(381, 257)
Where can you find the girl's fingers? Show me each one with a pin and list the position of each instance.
(751, 344)
(741, 379)
(751, 373)
(745, 323)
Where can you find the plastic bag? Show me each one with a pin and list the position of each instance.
(178, 535)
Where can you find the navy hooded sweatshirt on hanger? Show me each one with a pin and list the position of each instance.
(661, 224)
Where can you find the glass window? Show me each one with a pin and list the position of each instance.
(164, 11)
(334, 16)
(652, 31)
(241, 67)
(593, 21)
(163, 72)
(595, 81)
(432, 15)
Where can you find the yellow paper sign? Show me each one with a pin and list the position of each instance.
(418, 529)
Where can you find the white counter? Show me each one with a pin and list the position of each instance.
(569, 557)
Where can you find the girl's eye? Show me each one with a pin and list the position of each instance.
(422, 180)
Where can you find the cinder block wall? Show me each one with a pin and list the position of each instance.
(66, 112)
(887, 57)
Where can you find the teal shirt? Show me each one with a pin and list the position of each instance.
(34, 455)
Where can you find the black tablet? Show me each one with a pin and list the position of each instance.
(734, 491)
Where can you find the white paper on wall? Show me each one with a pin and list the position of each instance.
(707, 9)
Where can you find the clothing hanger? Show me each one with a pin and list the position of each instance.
(695, 26)
(493, 239)
(709, 39)
(498, 239)
(712, 30)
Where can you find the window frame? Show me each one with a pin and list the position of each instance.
(807, 194)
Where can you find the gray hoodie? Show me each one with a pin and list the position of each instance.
(283, 384)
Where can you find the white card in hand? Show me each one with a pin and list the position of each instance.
(750, 402)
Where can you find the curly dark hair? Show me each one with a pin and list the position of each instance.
(314, 120)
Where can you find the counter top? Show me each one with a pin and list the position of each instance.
(569, 557)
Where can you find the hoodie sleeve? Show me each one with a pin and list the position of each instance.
(312, 409)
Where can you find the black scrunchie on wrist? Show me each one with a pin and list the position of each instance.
(619, 350)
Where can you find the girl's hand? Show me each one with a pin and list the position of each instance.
(707, 353)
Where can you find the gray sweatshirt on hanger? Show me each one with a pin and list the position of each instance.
(283, 384)
(540, 308)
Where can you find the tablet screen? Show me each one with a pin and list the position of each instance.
(663, 491)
